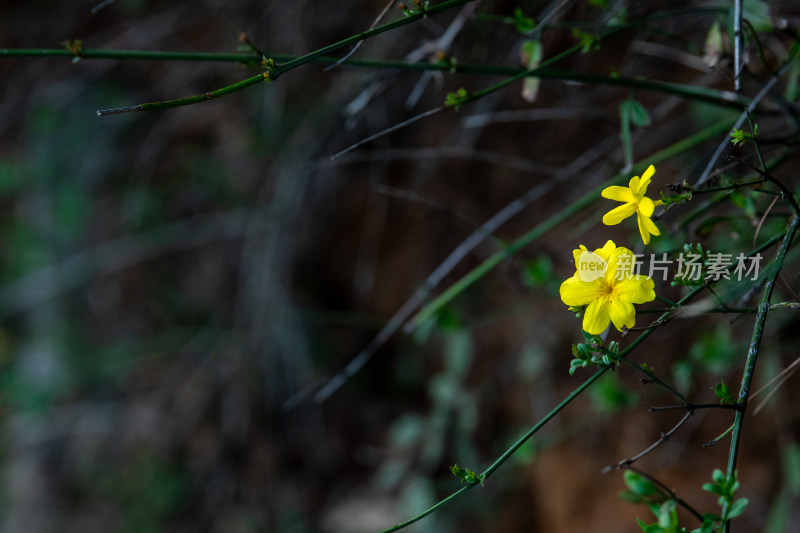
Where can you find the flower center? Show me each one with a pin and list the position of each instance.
(607, 289)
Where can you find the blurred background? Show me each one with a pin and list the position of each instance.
(177, 285)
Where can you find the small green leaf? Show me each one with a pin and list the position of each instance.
(737, 508)
(640, 485)
(457, 98)
(723, 392)
(588, 41)
(467, 475)
(523, 23)
(639, 115)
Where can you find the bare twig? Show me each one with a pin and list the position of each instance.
(782, 377)
(381, 133)
(101, 5)
(664, 437)
(738, 45)
(358, 44)
(522, 164)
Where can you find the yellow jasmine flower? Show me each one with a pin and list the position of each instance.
(634, 201)
(609, 297)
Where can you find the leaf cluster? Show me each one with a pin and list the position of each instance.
(467, 476)
(593, 353)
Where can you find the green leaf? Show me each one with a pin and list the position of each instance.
(588, 41)
(523, 23)
(723, 392)
(640, 485)
(737, 508)
(638, 113)
(457, 98)
(467, 475)
(757, 13)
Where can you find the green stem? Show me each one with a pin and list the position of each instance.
(275, 72)
(666, 301)
(709, 190)
(566, 213)
(755, 343)
(650, 375)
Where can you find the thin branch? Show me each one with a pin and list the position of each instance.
(738, 46)
(359, 43)
(500, 159)
(101, 5)
(651, 377)
(664, 438)
(389, 130)
(693, 407)
(274, 72)
(782, 377)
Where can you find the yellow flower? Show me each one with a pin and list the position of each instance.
(634, 201)
(609, 297)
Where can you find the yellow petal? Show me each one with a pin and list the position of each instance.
(646, 228)
(620, 266)
(576, 292)
(650, 226)
(634, 186)
(596, 318)
(620, 194)
(642, 230)
(607, 250)
(636, 290)
(646, 207)
(618, 214)
(622, 314)
(577, 253)
(645, 179)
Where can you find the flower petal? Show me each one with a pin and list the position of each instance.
(642, 230)
(618, 214)
(622, 314)
(620, 266)
(596, 318)
(577, 253)
(635, 290)
(645, 179)
(646, 227)
(647, 206)
(634, 186)
(576, 292)
(650, 226)
(620, 194)
(607, 250)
